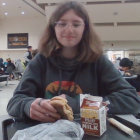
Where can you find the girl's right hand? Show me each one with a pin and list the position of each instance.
(42, 110)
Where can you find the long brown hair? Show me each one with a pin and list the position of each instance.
(89, 48)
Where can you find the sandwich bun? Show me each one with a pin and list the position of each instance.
(60, 104)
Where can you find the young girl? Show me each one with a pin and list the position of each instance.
(70, 63)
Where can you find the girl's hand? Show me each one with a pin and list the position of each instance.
(42, 110)
(63, 95)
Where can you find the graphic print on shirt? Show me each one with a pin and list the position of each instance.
(67, 87)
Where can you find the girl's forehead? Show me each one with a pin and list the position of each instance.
(71, 15)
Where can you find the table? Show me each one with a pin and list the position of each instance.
(4, 78)
(131, 77)
(112, 133)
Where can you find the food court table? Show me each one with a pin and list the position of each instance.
(8, 127)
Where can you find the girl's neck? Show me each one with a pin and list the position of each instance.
(69, 52)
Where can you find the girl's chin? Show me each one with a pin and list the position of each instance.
(69, 46)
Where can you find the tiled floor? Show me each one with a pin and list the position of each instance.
(6, 93)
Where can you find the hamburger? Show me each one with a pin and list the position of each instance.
(60, 104)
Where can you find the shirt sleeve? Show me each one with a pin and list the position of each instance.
(122, 96)
(29, 88)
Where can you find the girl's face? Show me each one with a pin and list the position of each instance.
(69, 29)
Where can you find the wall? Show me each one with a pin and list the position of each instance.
(33, 26)
(124, 33)
(13, 54)
(121, 45)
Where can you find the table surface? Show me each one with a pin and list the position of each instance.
(112, 132)
(131, 77)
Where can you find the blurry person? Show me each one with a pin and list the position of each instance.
(126, 67)
(2, 67)
(19, 69)
(10, 69)
(28, 55)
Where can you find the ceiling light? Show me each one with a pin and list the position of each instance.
(6, 13)
(22, 12)
(3, 3)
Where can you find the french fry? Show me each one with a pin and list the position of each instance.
(121, 126)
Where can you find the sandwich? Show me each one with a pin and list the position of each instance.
(60, 104)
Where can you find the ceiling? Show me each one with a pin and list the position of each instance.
(15, 7)
(102, 12)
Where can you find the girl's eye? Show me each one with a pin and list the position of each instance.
(62, 24)
(76, 24)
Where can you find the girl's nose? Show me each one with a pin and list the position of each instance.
(69, 27)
